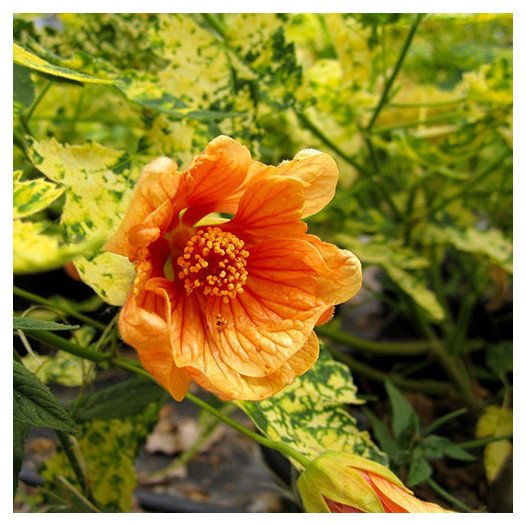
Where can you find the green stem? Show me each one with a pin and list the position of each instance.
(428, 386)
(398, 66)
(75, 464)
(446, 495)
(67, 310)
(452, 365)
(215, 23)
(438, 287)
(49, 338)
(414, 124)
(442, 420)
(378, 184)
(264, 441)
(468, 185)
(481, 442)
(428, 104)
(28, 114)
(382, 348)
(328, 142)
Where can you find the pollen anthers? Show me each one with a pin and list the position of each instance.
(215, 261)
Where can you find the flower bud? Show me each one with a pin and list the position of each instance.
(345, 483)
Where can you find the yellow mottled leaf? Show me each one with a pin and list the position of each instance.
(25, 58)
(99, 182)
(310, 414)
(36, 251)
(109, 274)
(33, 196)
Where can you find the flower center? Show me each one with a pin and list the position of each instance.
(216, 261)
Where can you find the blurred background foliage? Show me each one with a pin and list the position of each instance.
(418, 112)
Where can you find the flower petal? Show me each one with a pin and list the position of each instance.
(341, 276)
(265, 325)
(228, 384)
(398, 500)
(149, 208)
(218, 171)
(271, 207)
(143, 325)
(320, 172)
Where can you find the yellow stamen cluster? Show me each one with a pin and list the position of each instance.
(216, 261)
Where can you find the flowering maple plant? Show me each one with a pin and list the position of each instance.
(231, 303)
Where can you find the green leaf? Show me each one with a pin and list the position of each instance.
(30, 197)
(499, 357)
(419, 470)
(310, 415)
(32, 324)
(20, 432)
(23, 88)
(404, 420)
(436, 446)
(99, 183)
(25, 58)
(383, 435)
(35, 405)
(127, 398)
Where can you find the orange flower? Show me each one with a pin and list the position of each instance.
(337, 482)
(231, 304)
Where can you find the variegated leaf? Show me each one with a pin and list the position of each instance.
(34, 250)
(26, 58)
(310, 416)
(99, 182)
(107, 450)
(30, 197)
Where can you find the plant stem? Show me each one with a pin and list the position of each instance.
(328, 142)
(215, 23)
(446, 495)
(86, 353)
(452, 365)
(67, 310)
(414, 124)
(28, 114)
(428, 386)
(52, 339)
(466, 187)
(75, 465)
(428, 104)
(442, 420)
(383, 348)
(283, 448)
(481, 442)
(394, 74)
